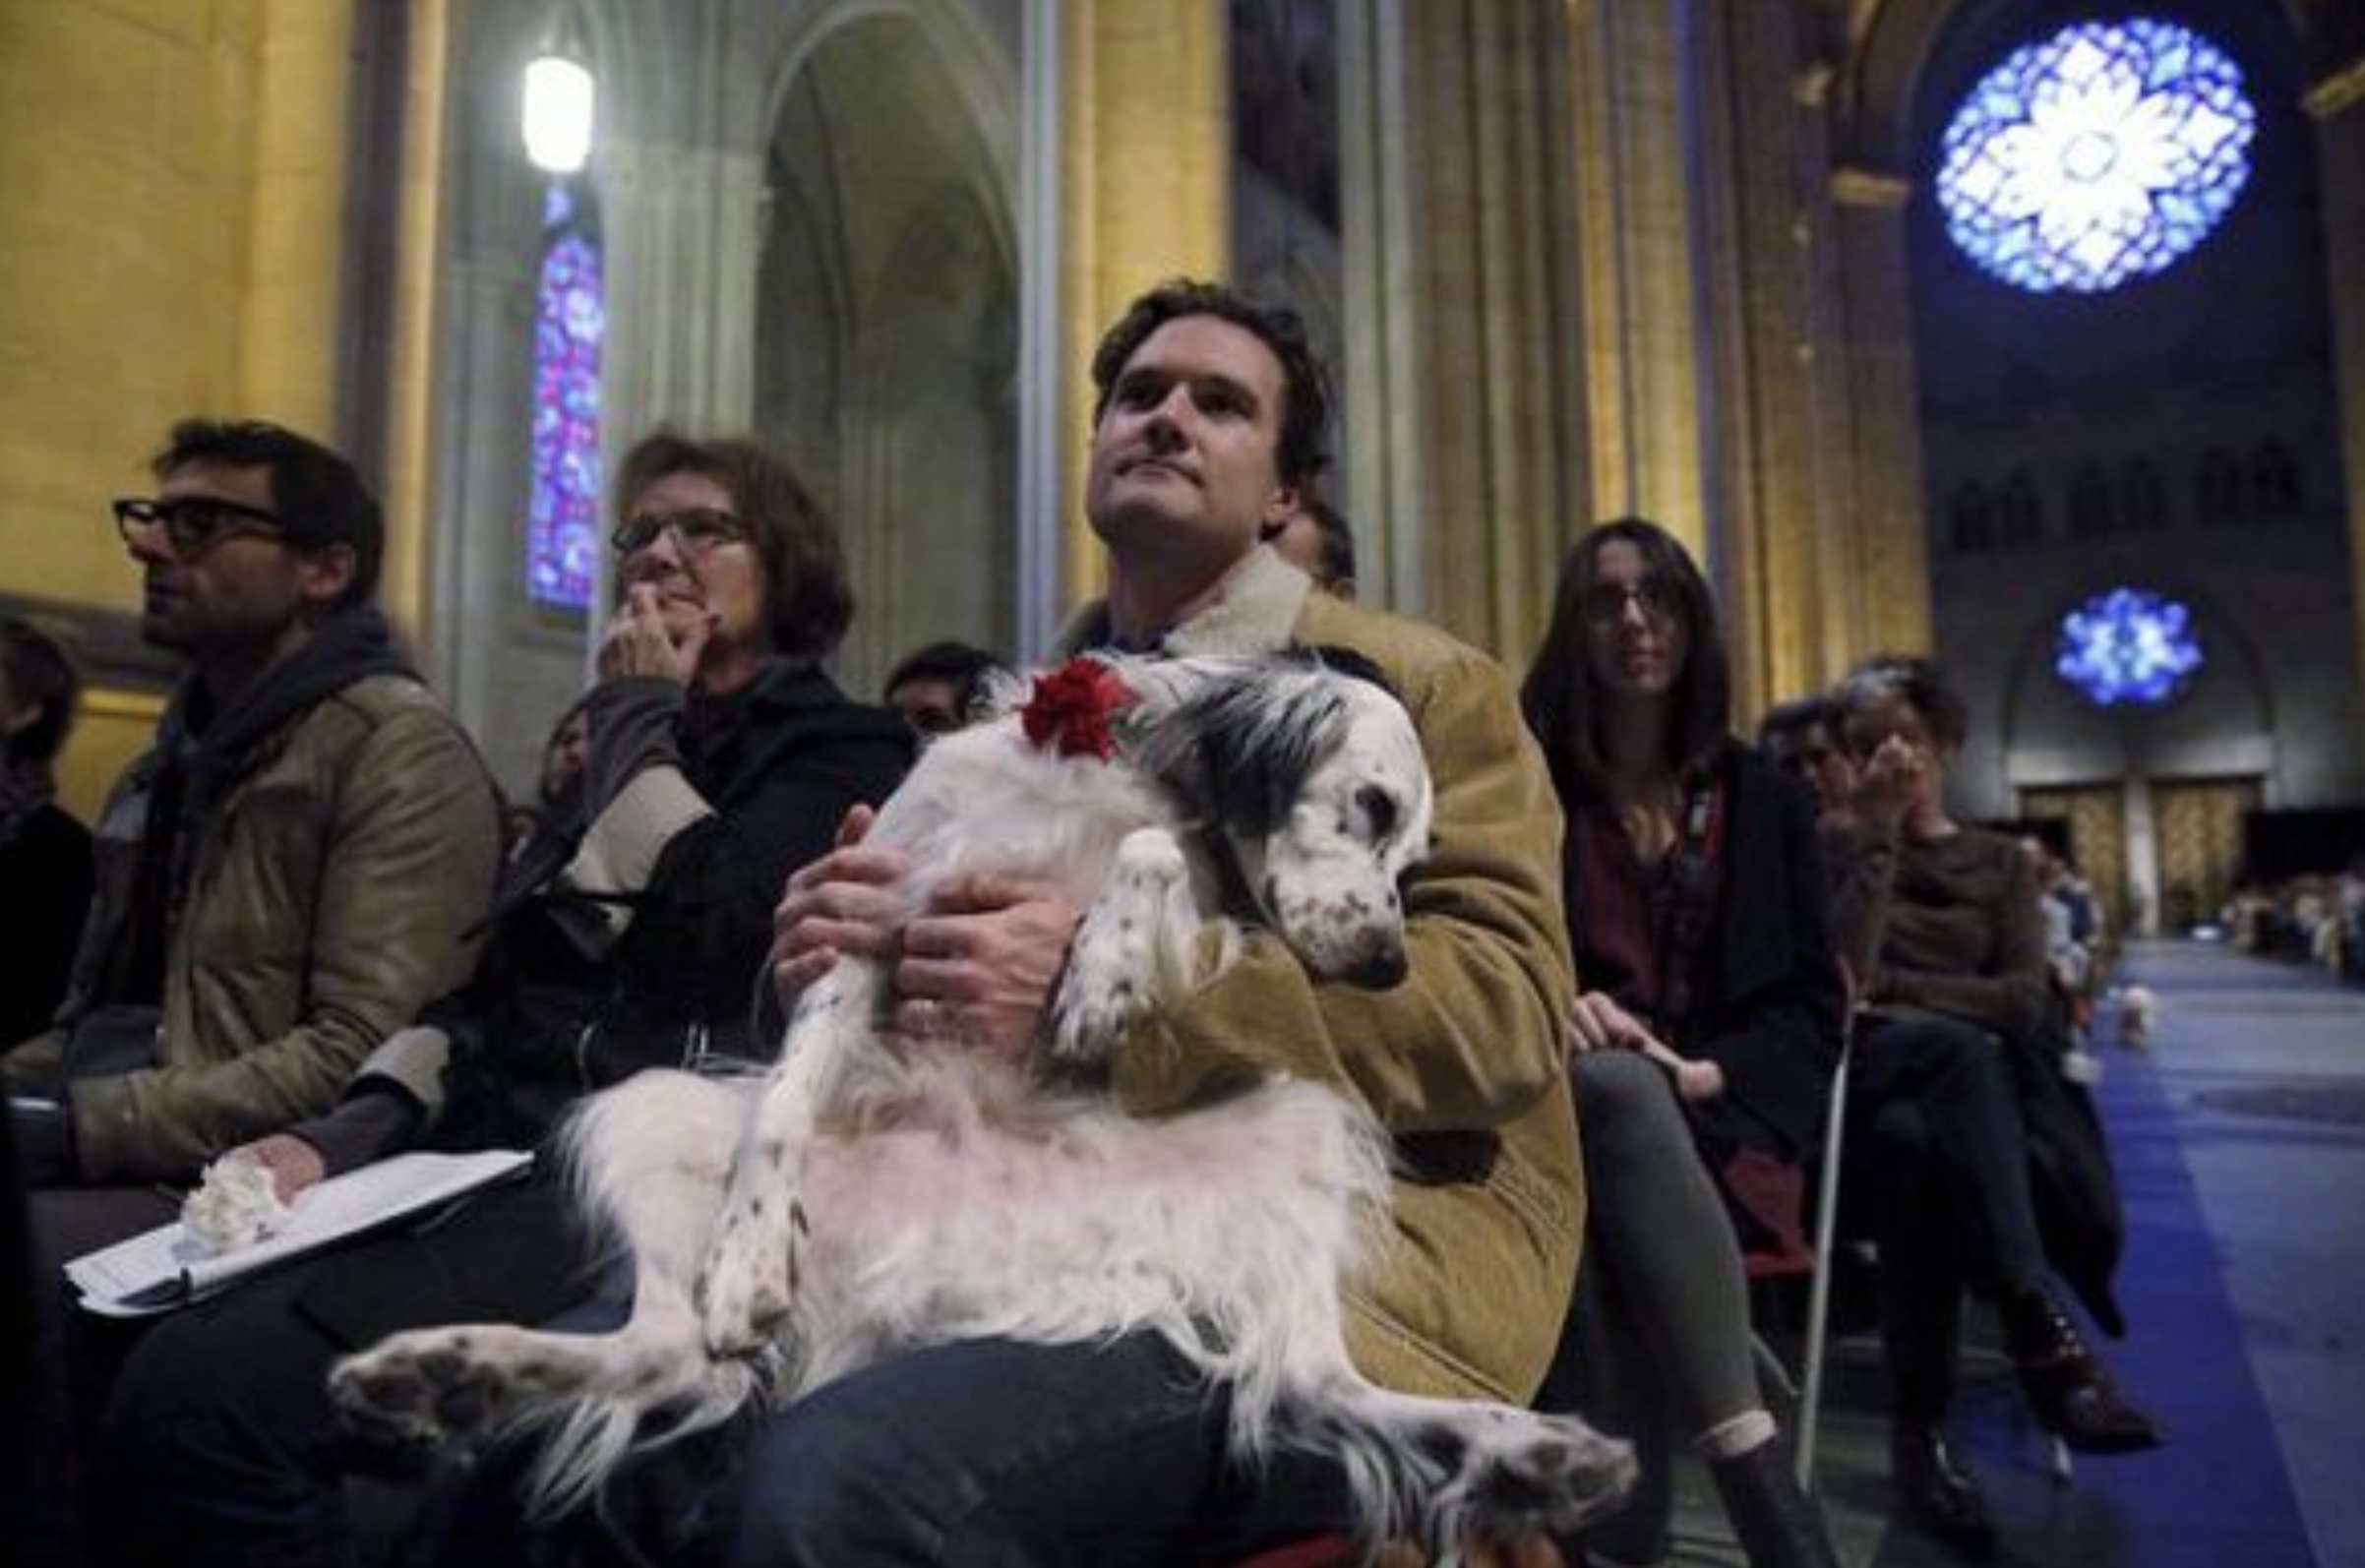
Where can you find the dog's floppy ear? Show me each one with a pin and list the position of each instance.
(1352, 662)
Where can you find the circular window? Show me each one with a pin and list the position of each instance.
(2128, 646)
(2102, 153)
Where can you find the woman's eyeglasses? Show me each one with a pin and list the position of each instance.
(695, 529)
(194, 524)
(1606, 602)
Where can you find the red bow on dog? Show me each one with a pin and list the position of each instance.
(1074, 707)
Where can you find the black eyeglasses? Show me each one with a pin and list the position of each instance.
(696, 529)
(195, 523)
(1606, 602)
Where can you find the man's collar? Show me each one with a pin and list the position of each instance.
(1253, 610)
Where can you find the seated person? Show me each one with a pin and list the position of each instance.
(942, 686)
(626, 935)
(1316, 538)
(1709, 1022)
(288, 877)
(44, 854)
(1951, 1064)
(1114, 1452)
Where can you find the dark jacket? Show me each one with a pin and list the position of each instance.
(1766, 1003)
(45, 893)
(697, 811)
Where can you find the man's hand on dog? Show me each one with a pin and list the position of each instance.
(981, 965)
(849, 901)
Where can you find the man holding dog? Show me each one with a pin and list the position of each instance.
(1208, 424)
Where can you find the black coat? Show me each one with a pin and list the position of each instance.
(44, 895)
(1766, 1002)
(544, 1020)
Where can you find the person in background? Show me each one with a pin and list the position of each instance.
(942, 686)
(1955, 1072)
(629, 933)
(44, 853)
(1708, 1022)
(1316, 538)
(558, 784)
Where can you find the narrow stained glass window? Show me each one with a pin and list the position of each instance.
(2128, 646)
(2102, 153)
(562, 535)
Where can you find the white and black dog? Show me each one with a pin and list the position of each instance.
(876, 1193)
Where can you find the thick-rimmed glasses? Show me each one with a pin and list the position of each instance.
(194, 524)
(1606, 602)
(695, 529)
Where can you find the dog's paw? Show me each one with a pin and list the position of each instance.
(1530, 1473)
(1117, 962)
(434, 1384)
(749, 1283)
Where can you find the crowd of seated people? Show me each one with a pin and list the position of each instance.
(627, 926)
(692, 860)
(2317, 918)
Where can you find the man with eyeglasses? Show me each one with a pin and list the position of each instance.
(286, 878)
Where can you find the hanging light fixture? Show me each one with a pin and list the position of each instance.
(559, 96)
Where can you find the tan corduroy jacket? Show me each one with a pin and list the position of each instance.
(1464, 1062)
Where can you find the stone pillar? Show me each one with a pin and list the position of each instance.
(1465, 332)
(1638, 219)
(1144, 176)
(1881, 535)
(2336, 104)
(293, 255)
(1764, 248)
(417, 532)
(683, 234)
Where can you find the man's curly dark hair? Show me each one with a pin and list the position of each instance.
(1305, 385)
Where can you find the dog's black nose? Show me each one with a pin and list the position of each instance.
(1380, 971)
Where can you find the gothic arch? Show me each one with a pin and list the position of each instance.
(886, 311)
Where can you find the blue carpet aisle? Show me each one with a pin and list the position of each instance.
(2240, 1144)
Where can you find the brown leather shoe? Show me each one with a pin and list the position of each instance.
(2071, 1394)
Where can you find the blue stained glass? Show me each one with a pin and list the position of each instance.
(2128, 646)
(562, 532)
(2104, 153)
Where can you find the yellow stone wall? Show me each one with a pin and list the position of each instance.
(170, 245)
(1143, 174)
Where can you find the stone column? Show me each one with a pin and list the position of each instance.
(1464, 330)
(1144, 193)
(2336, 103)
(293, 255)
(1639, 222)
(1881, 534)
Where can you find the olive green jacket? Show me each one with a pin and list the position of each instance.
(331, 899)
(1464, 1062)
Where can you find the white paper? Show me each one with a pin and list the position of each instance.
(170, 1267)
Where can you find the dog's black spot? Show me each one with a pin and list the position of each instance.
(798, 1217)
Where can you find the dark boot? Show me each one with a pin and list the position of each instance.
(1779, 1524)
(2073, 1397)
(1940, 1495)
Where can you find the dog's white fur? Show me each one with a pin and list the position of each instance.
(887, 1193)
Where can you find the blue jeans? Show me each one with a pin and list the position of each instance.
(996, 1453)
